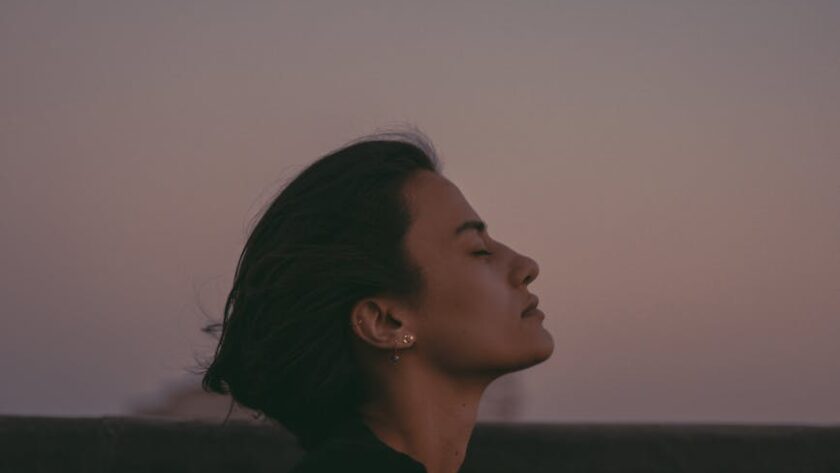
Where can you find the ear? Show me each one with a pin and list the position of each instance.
(379, 322)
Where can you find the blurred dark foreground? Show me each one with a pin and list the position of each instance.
(135, 444)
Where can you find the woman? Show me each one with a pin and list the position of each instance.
(371, 309)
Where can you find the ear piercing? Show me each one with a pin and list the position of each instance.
(405, 339)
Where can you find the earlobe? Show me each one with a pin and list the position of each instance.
(406, 339)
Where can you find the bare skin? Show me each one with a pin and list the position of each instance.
(467, 332)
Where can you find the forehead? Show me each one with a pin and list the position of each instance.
(437, 207)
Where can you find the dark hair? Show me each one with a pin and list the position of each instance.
(333, 235)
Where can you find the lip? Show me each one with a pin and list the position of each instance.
(533, 302)
(533, 313)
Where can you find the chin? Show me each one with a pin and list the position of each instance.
(541, 349)
(534, 354)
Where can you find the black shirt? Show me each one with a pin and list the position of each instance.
(352, 446)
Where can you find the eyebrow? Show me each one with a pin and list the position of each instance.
(477, 225)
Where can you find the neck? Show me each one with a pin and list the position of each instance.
(425, 415)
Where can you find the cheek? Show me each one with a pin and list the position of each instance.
(470, 320)
(466, 289)
(471, 293)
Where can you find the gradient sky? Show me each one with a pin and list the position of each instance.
(674, 167)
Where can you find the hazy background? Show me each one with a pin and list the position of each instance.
(674, 167)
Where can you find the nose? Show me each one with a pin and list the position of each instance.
(526, 271)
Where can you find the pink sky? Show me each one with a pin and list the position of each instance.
(674, 169)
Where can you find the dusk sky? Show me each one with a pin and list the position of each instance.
(674, 168)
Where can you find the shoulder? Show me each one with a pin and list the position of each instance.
(327, 458)
(353, 447)
(332, 459)
(318, 463)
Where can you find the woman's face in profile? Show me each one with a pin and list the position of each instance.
(471, 317)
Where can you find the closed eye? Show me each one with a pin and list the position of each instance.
(482, 253)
